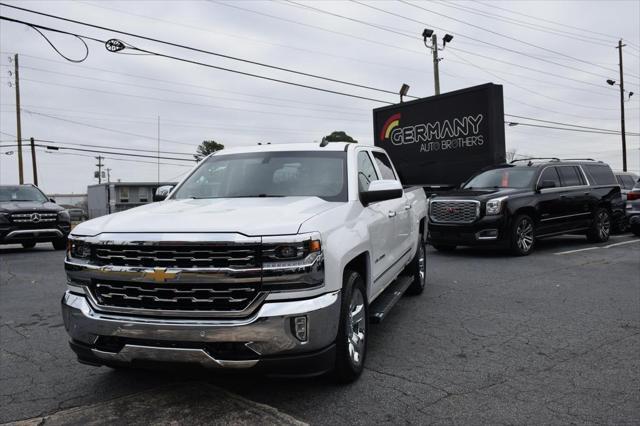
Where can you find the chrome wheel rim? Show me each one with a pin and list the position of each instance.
(604, 225)
(524, 235)
(356, 327)
(422, 265)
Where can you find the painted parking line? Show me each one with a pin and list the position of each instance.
(597, 247)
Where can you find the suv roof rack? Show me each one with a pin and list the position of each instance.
(580, 159)
(530, 160)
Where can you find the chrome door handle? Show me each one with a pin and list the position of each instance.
(392, 214)
(407, 207)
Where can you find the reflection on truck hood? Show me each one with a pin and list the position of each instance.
(249, 216)
(482, 194)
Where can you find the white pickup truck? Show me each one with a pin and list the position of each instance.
(271, 258)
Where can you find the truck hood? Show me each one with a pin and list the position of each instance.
(248, 216)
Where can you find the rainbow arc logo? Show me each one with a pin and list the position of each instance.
(391, 123)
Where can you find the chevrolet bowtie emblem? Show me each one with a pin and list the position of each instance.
(160, 275)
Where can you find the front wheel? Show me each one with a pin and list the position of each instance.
(351, 343)
(417, 269)
(522, 235)
(601, 227)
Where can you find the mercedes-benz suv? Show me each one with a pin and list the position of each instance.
(513, 205)
(28, 216)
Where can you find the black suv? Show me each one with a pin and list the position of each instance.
(28, 217)
(513, 205)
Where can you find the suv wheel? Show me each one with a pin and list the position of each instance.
(29, 245)
(417, 269)
(60, 244)
(601, 227)
(351, 343)
(522, 235)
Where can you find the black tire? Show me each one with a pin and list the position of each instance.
(60, 244)
(29, 245)
(443, 247)
(417, 269)
(522, 235)
(635, 228)
(351, 353)
(601, 227)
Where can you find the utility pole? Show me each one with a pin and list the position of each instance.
(33, 162)
(108, 175)
(622, 131)
(18, 124)
(99, 158)
(436, 71)
(158, 150)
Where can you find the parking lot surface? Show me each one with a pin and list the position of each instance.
(550, 338)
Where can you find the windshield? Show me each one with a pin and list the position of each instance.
(269, 174)
(511, 177)
(21, 193)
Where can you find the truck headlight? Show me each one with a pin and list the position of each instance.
(494, 206)
(78, 248)
(292, 262)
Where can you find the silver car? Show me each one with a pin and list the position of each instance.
(626, 180)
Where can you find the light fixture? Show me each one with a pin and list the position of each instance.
(611, 82)
(427, 33)
(512, 124)
(446, 39)
(630, 95)
(403, 91)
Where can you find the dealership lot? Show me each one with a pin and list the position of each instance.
(549, 338)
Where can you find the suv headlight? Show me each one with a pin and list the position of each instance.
(78, 248)
(63, 216)
(292, 262)
(494, 206)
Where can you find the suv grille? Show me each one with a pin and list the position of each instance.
(164, 297)
(454, 211)
(34, 217)
(209, 256)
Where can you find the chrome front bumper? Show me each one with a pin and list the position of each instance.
(268, 333)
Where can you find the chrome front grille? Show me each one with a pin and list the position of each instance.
(454, 211)
(175, 299)
(201, 256)
(34, 217)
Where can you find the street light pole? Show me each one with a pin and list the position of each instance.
(622, 130)
(436, 70)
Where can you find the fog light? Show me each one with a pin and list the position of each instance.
(487, 234)
(300, 328)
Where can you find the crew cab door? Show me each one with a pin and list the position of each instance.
(577, 202)
(380, 221)
(550, 202)
(401, 206)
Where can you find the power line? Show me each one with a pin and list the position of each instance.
(115, 159)
(560, 128)
(58, 147)
(572, 125)
(481, 41)
(208, 52)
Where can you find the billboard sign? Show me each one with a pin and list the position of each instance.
(443, 140)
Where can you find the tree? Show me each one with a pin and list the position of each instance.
(206, 148)
(340, 136)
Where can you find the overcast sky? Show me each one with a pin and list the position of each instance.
(116, 99)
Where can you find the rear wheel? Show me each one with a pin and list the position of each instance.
(351, 343)
(417, 269)
(60, 244)
(522, 235)
(601, 227)
(29, 245)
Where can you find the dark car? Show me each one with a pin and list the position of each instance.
(513, 205)
(28, 217)
(627, 180)
(633, 208)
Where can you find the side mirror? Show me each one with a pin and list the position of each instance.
(380, 190)
(546, 184)
(162, 192)
(52, 200)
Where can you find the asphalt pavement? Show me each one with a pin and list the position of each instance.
(552, 338)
